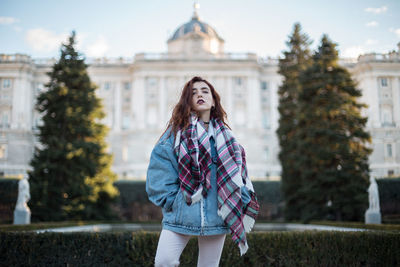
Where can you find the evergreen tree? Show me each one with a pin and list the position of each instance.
(295, 60)
(71, 177)
(332, 140)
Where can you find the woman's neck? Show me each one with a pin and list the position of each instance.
(205, 116)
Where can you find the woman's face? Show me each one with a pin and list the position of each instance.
(202, 99)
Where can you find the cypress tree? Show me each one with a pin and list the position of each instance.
(332, 140)
(71, 177)
(294, 61)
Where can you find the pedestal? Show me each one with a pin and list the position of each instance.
(22, 216)
(373, 217)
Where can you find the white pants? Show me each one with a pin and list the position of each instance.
(171, 245)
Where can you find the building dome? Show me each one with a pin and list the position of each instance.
(195, 38)
(195, 25)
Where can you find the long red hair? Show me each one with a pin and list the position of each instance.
(180, 118)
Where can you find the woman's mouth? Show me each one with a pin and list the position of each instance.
(200, 101)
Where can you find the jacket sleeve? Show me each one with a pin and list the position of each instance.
(162, 183)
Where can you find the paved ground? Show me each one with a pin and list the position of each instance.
(157, 227)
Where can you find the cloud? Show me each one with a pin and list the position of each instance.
(98, 48)
(8, 20)
(396, 31)
(372, 24)
(80, 39)
(378, 10)
(43, 40)
(353, 51)
(371, 42)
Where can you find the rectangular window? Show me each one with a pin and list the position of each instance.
(6, 83)
(238, 81)
(386, 117)
(264, 98)
(125, 122)
(3, 151)
(151, 82)
(389, 150)
(266, 153)
(383, 82)
(5, 120)
(5, 96)
(264, 85)
(127, 85)
(107, 86)
(265, 121)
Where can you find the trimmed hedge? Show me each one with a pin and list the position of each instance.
(135, 206)
(389, 193)
(308, 248)
(135, 191)
(8, 199)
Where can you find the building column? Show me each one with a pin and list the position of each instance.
(374, 102)
(17, 103)
(274, 101)
(26, 115)
(117, 107)
(395, 81)
(253, 104)
(140, 102)
(162, 102)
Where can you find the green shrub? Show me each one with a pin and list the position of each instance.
(308, 248)
(135, 206)
(389, 195)
(8, 199)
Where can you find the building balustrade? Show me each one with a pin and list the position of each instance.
(173, 56)
(15, 58)
(375, 57)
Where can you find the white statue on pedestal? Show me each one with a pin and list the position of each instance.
(373, 196)
(373, 214)
(22, 213)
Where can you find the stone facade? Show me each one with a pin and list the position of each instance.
(139, 93)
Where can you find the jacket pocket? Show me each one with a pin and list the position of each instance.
(173, 215)
(188, 215)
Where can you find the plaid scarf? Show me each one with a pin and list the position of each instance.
(193, 150)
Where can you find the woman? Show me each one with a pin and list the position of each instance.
(198, 175)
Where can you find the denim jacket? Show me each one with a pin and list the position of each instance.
(162, 187)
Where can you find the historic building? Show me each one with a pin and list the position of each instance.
(139, 93)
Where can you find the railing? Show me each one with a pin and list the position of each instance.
(268, 61)
(22, 58)
(375, 57)
(175, 56)
(105, 61)
(44, 61)
(15, 58)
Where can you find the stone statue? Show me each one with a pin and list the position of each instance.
(373, 214)
(373, 195)
(23, 194)
(22, 213)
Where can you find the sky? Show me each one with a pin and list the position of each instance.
(123, 28)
